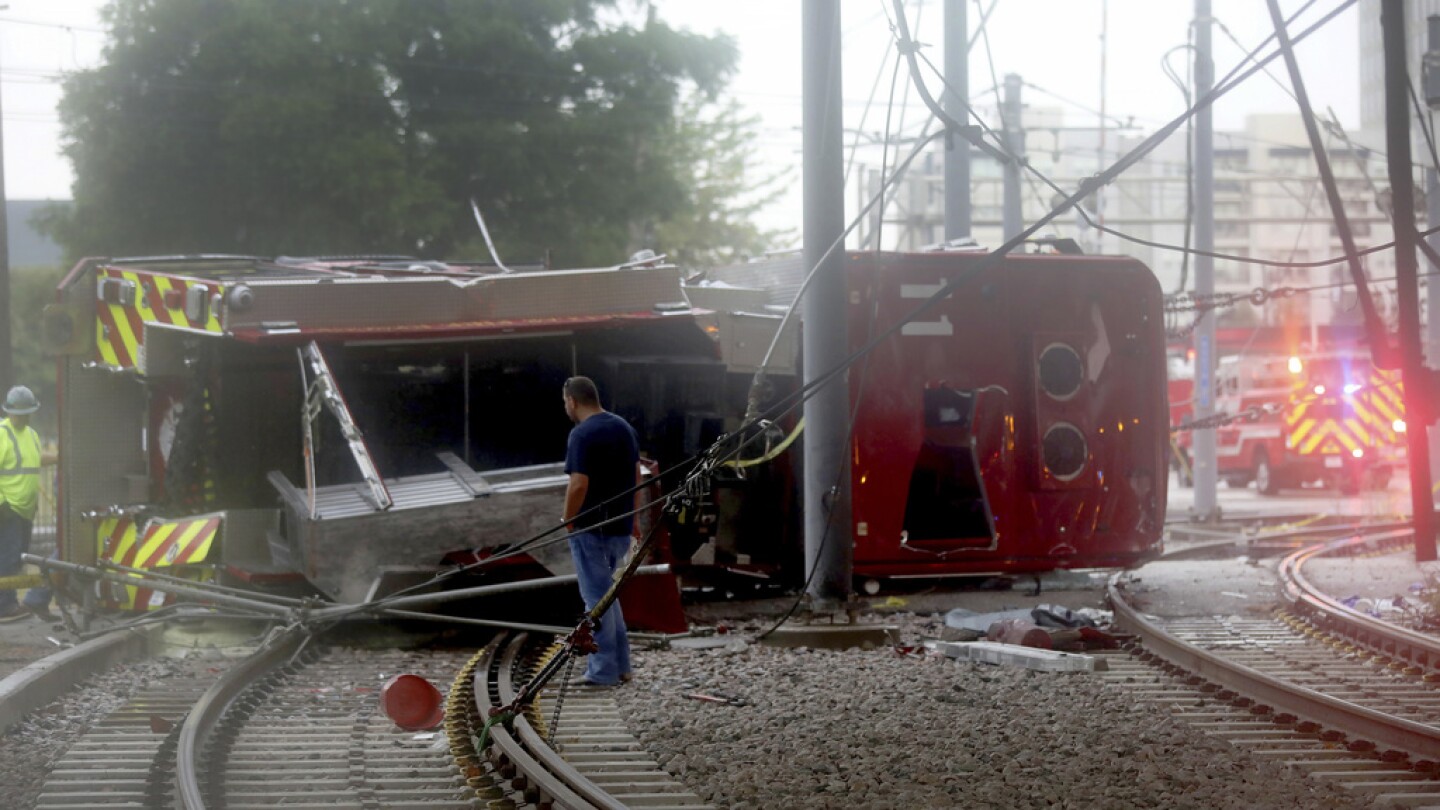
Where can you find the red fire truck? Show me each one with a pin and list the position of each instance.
(1327, 416)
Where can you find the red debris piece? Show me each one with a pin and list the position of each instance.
(1019, 631)
(412, 702)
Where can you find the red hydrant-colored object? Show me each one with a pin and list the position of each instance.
(1019, 631)
(412, 702)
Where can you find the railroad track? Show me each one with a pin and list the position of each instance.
(588, 759)
(127, 759)
(1317, 686)
(298, 724)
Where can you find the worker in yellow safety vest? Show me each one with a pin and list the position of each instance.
(20, 460)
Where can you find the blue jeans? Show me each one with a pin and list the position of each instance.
(597, 556)
(14, 541)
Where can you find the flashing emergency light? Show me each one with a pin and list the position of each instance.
(1351, 388)
(1296, 366)
(1319, 390)
(1398, 426)
(1358, 452)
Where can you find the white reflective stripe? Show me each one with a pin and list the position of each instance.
(21, 471)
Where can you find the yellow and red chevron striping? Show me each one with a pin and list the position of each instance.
(1367, 419)
(156, 299)
(158, 543)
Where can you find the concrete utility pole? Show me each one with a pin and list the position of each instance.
(1013, 221)
(1205, 474)
(957, 103)
(1431, 84)
(829, 546)
(1402, 186)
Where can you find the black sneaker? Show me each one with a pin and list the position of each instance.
(14, 614)
(42, 613)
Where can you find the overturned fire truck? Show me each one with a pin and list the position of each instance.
(361, 424)
(1018, 425)
(352, 422)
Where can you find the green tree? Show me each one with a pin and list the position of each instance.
(714, 222)
(348, 126)
(31, 288)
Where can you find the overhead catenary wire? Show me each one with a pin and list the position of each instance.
(1185, 249)
(878, 233)
(1426, 125)
(826, 377)
(1184, 86)
(1237, 75)
(1233, 79)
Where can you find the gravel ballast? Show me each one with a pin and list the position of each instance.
(30, 749)
(875, 729)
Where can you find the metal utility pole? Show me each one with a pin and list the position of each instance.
(829, 547)
(1402, 187)
(1431, 84)
(957, 103)
(7, 354)
(1100, 151)
(1013, 221)
(1206, 480)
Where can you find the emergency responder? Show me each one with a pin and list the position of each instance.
(20, 460)
(600, 458)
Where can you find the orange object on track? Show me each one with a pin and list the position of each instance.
(412, 702)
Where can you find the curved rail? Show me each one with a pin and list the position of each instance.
(31, 687)
(525, 749)
(207, 713)
(1275, 694)
(1421, 651)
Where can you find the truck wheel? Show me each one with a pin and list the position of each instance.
(1377, 480)
(1265, 481)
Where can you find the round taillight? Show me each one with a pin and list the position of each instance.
(1061, 371)
(1064, 451)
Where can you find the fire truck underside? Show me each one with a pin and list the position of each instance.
(354, 422)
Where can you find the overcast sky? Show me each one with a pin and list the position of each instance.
(1053, 44)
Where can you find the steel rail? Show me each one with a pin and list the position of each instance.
(460, 594)
(541, 765)
(201, 722)
(1261, 524)
(31, 687)
(196, 591)
(1260, 539)
(106, 565)
(530, 753)
(1417, 739)
(1390, 639)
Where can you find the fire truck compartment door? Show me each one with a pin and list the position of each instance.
(349, 542)
(948, 504)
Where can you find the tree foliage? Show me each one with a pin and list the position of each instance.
(365, 126)
(31, 288)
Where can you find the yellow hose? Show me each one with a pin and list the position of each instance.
(775, 451)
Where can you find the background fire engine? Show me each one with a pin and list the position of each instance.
(1330, 417)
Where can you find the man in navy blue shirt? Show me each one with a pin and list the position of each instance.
(600, 458)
